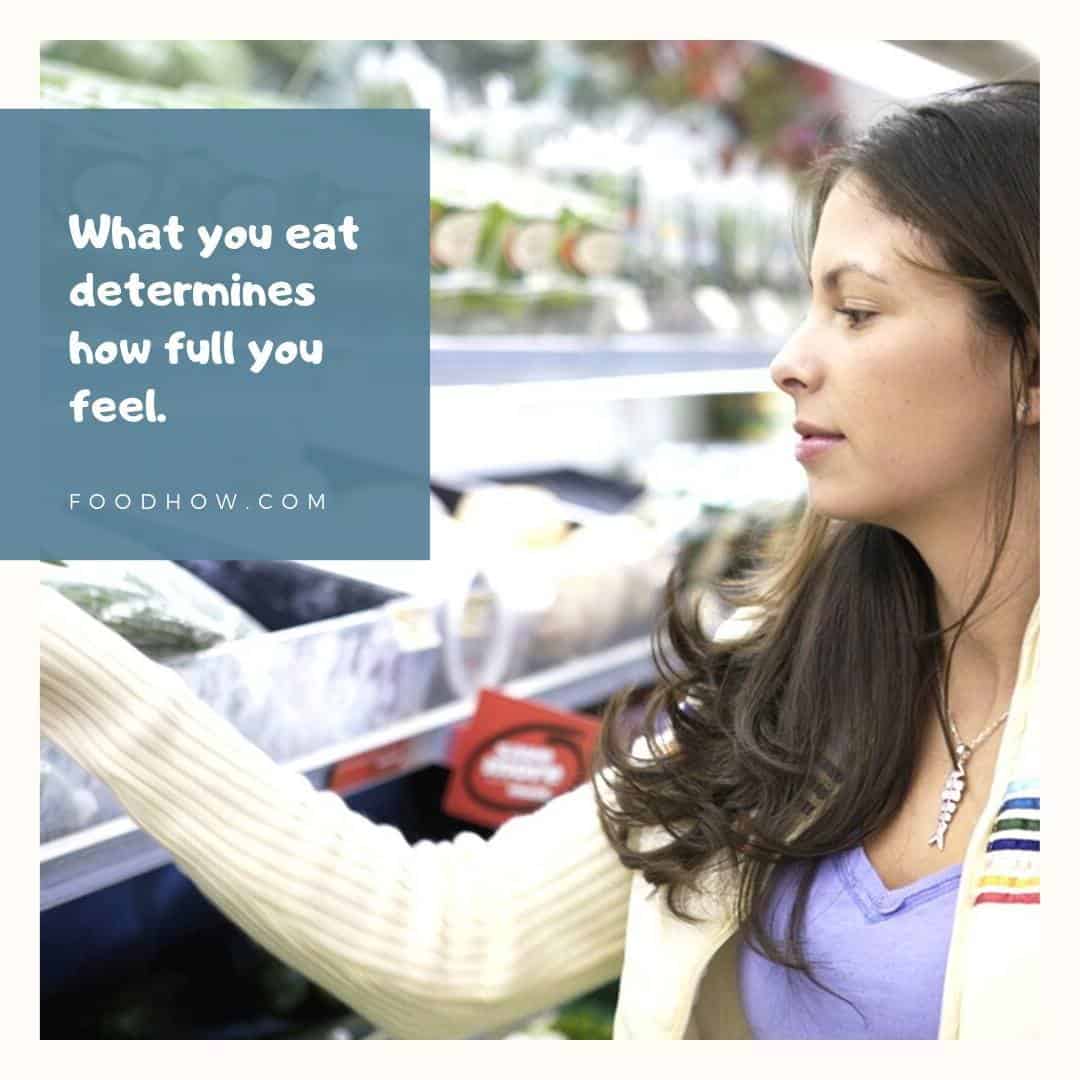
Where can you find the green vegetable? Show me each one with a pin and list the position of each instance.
(589, 1017)
(161, 609)
(227, 64)
(68, 86)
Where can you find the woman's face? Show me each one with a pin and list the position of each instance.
(895, 367)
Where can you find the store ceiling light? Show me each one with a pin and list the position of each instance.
(875, 64)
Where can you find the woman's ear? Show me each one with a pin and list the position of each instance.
(1030, 415)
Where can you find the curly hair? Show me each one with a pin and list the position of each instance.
(796, 738)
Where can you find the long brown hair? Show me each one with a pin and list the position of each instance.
(845, 650)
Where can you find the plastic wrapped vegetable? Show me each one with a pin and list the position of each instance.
(69, 86)
(164, 63)
(157, 606)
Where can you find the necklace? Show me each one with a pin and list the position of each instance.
(953, 790)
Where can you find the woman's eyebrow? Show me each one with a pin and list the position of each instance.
(832, 278)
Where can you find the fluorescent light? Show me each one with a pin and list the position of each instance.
(878, 65)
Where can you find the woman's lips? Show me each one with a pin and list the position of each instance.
(810, 446)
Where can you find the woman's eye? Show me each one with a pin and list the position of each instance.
(855, 317)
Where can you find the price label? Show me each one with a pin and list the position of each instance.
(478, 617)
(378, 764)
(414, 628)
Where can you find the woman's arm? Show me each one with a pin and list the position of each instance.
(433, 940)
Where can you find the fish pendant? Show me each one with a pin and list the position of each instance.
(951, 795)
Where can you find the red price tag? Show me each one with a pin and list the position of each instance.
(367, 768)
(513, 756)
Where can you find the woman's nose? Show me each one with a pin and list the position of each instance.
(793, 368)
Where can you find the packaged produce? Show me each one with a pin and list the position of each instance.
(607, 579)
(513, 515)
(455, 234)
(518, 242)
(459, 206)
(588, 250)
(291, 53)
(69, 86)
(460, 194)
(561, 581)
(166, 63)
(591, 236)
(157, 606)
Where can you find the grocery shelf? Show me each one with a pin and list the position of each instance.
(552, 367)
(103, 855)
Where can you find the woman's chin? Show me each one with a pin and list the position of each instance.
(833, 505)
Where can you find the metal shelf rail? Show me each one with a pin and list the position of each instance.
(554, 367)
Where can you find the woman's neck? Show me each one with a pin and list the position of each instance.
(959, 556)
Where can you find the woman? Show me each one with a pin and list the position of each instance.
(788, 857)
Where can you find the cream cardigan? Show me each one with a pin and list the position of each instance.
(450, 939)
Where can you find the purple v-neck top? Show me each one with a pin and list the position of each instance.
(882, 949)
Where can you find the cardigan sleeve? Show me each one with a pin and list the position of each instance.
(431, 940)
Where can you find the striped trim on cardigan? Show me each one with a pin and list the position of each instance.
(1012, 852)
